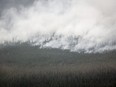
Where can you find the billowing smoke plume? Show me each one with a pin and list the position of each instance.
(77, 25)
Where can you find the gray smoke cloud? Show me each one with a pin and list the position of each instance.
(77, 25)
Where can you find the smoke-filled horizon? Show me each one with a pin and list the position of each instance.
(76, 25)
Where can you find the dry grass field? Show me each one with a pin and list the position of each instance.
(27, 66)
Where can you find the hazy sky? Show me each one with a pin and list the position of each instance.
(77, 25)
(14, 3)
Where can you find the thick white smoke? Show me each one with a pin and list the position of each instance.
(77, 25)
